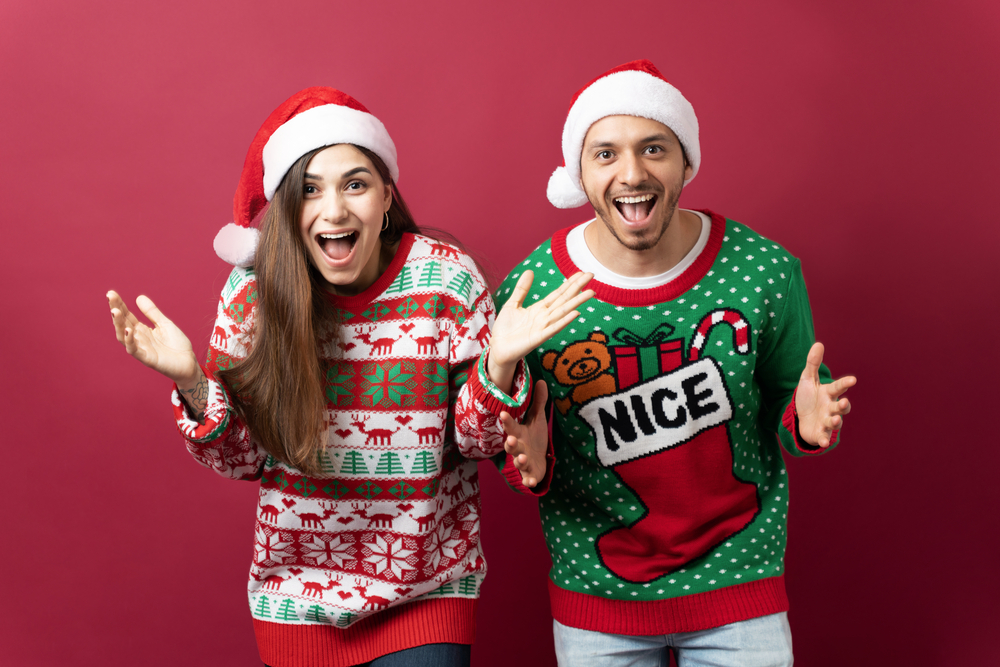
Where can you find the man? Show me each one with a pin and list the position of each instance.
(665, 517)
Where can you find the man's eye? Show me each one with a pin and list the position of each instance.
(604, 155)
(653, 150)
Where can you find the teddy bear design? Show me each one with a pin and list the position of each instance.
(586, 367)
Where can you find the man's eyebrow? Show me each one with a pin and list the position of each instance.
(611, 144)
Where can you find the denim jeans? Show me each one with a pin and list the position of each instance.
(758, 642)
(428, 655)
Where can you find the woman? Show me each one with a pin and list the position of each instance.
(349, 372)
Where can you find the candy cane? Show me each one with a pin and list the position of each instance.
(741, 331)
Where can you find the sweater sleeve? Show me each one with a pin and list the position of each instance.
(784, 344)
(477, 401)
(223, 442)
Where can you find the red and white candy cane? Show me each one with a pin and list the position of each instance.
(741, 331)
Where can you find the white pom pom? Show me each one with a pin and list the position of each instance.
(563, 192)
(236, 245)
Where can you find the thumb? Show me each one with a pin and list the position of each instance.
(150, 310)
(813, 360)
(538, 402)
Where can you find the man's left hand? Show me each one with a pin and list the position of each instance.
(528, 443)
(819, 407)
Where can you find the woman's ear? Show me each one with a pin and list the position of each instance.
(387, 198)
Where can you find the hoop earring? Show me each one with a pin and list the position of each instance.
(386, 225)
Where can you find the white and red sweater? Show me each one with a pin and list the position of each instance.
(381, 552)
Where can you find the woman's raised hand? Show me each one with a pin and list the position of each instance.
(519, 330)
(163, 348)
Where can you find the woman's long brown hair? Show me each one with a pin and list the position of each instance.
(278, 389)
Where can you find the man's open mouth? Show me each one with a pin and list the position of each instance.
(337, 246)
(635, 208)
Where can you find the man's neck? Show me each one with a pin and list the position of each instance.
(677, 241)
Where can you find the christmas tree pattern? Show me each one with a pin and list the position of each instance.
(469, 585)
(424, 464)
(354, 463)
(389, 464)
(315, 615)
(263, 608)
(431, 275)
(286, 612)
(461, 284)
(403, 281)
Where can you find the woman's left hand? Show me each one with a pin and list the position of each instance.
(528, 443)
(518, 330)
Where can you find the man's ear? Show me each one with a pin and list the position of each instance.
(688, 170)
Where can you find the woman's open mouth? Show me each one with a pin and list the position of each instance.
(337, 245)
(635, 208)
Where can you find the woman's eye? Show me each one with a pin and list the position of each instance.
(309, 190)
(355, 185)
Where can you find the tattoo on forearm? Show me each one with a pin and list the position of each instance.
(196, 399)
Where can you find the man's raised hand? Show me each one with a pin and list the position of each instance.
(528, 443)
(519, 330)
(820, 408)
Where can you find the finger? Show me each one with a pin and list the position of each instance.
(844, 406)
(559, 309)
(150, 310)
(552, 329)
(838, 387)
(813, 360)
(521, 288)
(116, 303)
(129, 341)
(567, 290)
(119, 322)
(510, 425)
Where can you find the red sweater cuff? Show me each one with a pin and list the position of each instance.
(487, 396)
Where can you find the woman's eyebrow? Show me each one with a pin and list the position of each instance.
(356, 170)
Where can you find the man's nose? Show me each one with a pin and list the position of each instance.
(632, 171)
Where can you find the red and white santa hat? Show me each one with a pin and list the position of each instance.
(309, 119)
(633, 89)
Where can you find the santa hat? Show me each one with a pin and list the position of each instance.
(633, 89)
(309, 119)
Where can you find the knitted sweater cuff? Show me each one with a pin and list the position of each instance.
(217, 412)
(492, 398)
(790, 420)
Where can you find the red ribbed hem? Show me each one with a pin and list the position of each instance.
(689, 613)
(444, 621)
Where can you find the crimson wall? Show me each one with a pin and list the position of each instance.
(863, 136)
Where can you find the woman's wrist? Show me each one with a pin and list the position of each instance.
(500, 374)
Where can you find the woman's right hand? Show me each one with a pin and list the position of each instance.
(163, 348)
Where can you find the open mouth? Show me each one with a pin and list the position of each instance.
(635, 208)
(337, 245)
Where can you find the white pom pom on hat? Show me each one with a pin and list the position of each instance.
(309, 119)
(634, 89)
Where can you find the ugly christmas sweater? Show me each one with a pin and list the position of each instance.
(381, 551)
(668, 506)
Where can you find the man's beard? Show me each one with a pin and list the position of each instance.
(672, 196)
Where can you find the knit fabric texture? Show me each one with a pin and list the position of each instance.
(668, 507)
(393, 520)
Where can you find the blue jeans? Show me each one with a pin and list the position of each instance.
(428, 655)
(758, 642)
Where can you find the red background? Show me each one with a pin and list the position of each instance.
(863, 136)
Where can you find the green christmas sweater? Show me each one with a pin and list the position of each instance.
(671, 405)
